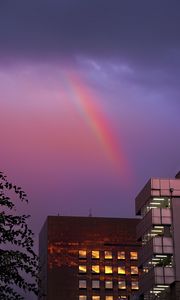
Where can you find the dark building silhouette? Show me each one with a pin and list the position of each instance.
(88, 258)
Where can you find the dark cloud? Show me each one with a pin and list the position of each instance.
(141, 30)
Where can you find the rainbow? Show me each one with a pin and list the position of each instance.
(87, 104)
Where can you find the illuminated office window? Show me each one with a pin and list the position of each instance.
(122, 297)
(82, 297)
(82, 269)
(109, 297)
(95, 254)
(122, 284)
(134, 285)
(108, 269)
(133, 255)
(134, 270)
(82, 284)
(108, 254)
(108, 284)
(95, 269)
(121, 270)
(82, 253)
(95, 284)
(95, 297)
(121, 255)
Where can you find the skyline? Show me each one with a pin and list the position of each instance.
(64, 150)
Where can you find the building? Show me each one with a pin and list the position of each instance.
(159, 232)
(88, 258)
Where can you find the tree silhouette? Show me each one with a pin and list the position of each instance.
(18, 261)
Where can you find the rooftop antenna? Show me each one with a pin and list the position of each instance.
(90, 213)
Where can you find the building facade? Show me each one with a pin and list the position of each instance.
(159, 233)
(88, 258)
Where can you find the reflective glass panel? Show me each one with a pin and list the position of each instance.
(82, 253)
(95, 284)
(122, 284)
(82, 269)
(134, 285)
(134, 270)
(95, 269)
(82, 284)
(108, 269)
(108, 254)
(121, 270)
(121, 254)
(95, 254)
(82, 297)
(133, 255)
(108, 284)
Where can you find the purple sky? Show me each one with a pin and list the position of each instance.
(128, 54)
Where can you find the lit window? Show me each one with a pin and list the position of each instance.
(82, 253)
(95, 284)
(121, 270)
(108, 284)
(133, 255)
(82, 269)
(82, 297)
(82, 284)
(108, 254)
(95, 297)
(95, 254)
(122, 285)
(134, 270)
(122, 297)
(108, 269)
(121, 254)
(134, 285)
(95, 269)
(109, 298)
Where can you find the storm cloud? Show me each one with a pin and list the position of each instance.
(141, 31)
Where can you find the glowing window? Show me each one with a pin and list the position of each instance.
(82, 284)
(95, 297)
(82, 253)
(121, 254)
(121, 270)
(95, 269)
(82, 297)
(122, 284)
(134, 285)
(108, 284)
(108, 269)
(134, 270)
(109, 298)
(95, 284)
(95, 254)
(108, 254)
(133, 255)
(82, 269)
